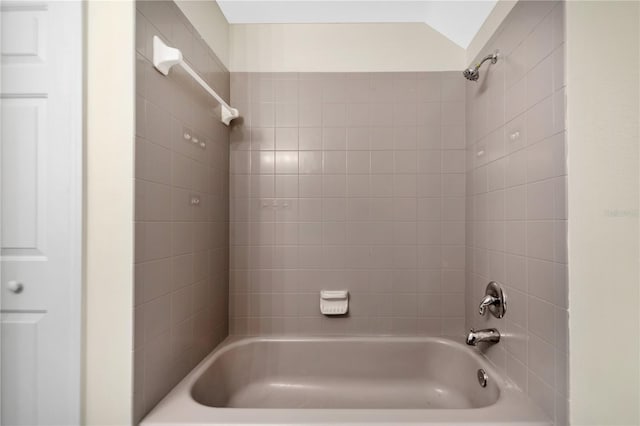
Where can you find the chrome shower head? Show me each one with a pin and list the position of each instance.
(472, 74)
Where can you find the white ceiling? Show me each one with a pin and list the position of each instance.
(458, 20)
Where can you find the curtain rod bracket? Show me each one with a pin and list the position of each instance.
(165, 57)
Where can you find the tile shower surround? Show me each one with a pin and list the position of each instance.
(516, 201)
(361, 181)
(181, 251)
(348, 181)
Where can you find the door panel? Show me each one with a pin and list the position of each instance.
(24, 46)
(40, 212)
(20, 350)
(24, 134)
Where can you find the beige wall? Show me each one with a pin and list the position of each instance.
(602, 107)
(493, 21)
(108, 306)
(208, 20)
(380, 47)
(342, 48)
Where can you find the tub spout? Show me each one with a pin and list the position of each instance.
(489, 335)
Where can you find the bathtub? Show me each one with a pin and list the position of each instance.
(355, 381)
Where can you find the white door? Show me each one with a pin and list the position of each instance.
(40, 211)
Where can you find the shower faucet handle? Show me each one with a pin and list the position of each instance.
(495, 301)
(486, 302)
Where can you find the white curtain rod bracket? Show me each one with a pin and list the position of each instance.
(165, 57)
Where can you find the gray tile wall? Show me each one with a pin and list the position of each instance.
(354, 181)
(181, 251)
(348, 181)
(517, 203)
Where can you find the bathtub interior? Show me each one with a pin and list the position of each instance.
(338, 374)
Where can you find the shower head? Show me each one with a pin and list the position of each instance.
(472, 74)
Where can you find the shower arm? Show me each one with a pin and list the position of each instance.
(493, 57)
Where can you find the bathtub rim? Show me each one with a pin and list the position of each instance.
(170, 411)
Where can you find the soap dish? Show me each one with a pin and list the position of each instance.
(334, 302)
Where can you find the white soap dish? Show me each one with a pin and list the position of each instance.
(334, 302)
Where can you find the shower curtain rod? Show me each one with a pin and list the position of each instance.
(165, 57)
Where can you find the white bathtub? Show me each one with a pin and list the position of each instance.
(355, 381)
